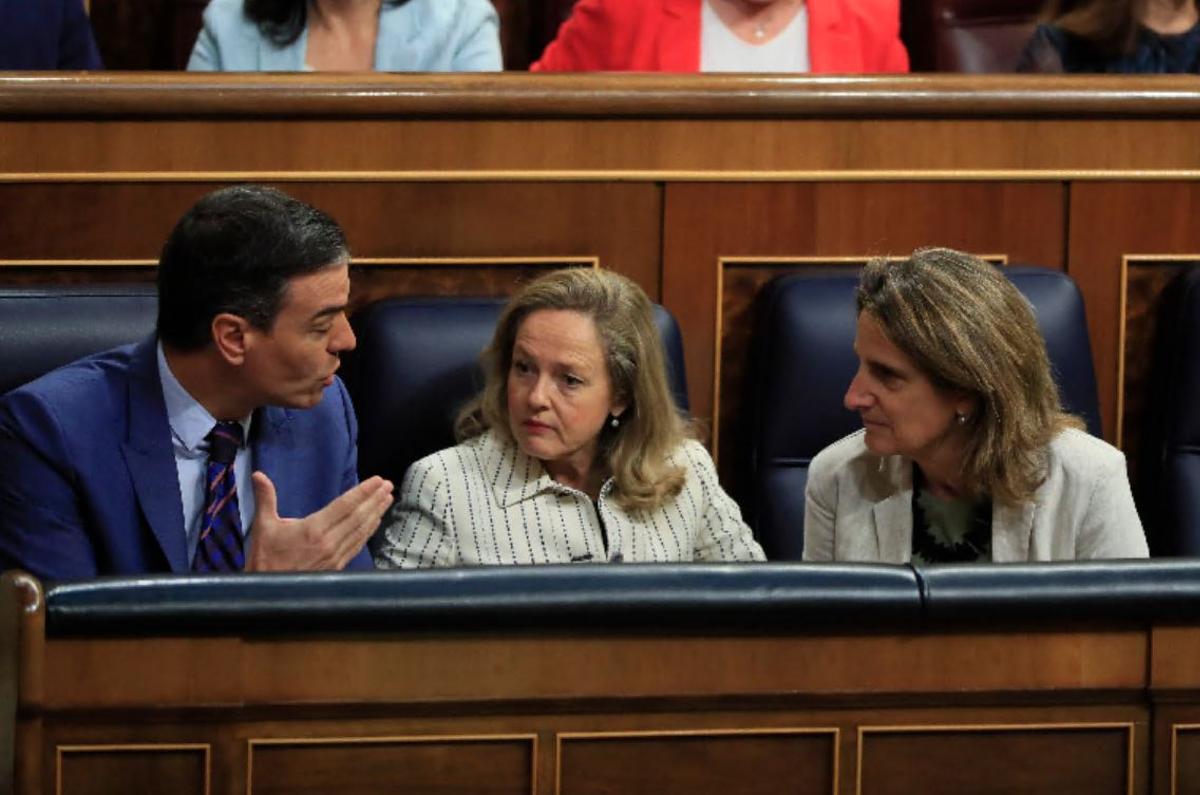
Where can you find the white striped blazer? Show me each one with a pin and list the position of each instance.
(486, 502)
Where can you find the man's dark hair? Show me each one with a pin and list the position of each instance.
(234, 252)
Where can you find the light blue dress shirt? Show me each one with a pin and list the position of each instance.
(190, 424)
(418, 36)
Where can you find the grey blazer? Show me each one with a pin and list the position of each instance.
(419, 36)
(858, 507)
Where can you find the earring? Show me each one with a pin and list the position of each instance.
(615, 421)
(962, 418)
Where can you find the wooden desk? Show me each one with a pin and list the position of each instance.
(700, 188)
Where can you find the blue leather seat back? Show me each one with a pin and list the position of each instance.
(46, 327)
(417, 364)
(803, 360)
(1168, 492)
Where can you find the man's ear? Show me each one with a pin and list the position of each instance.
(229, 333)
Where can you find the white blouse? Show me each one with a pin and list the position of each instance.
(486, 502)
(722, 51)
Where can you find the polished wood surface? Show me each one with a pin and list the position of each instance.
(698, 187)
(600, 95)
(1045, 707)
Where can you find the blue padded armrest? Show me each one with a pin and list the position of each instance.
(46, 327)
(417, 365)
(666, 597)
(983, 595)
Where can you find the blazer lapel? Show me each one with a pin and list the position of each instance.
(1012, 531)
(893, 513)
(272, 446)
(831, 47)
(679, 36)
(149, 457)
(282, 59)
(404, 23)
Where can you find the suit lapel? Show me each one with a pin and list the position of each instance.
(831, 47)
(272, 449)
(149, 457)
(892, 513)
(679, 36)
(282, 59)
(1012, 531)
(404, 23)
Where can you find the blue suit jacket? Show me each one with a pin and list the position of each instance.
(46, 34)
(88, 483)
(418, 36)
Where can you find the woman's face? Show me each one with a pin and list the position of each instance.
(902, 411)
(559, 395)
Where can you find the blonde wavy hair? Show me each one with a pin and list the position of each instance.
(637, 453)
(970, 330)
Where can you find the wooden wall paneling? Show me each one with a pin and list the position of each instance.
(368, 765)
(1111, 222)
(1175, 690)
(1082, 759)
(116, 769)
(473, 238)
(714, 230)
(1184, 748)
(128, 673)
(798, 742)
(747, 762)
(520, 136)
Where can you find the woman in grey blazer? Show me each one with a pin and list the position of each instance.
(965, 452)
(348, 36)
(574, 451)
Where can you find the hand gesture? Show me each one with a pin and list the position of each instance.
(322, 541)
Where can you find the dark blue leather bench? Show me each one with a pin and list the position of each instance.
(579, 597)
(46, 327)
(661, 597)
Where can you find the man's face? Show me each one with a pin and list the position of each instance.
(291, 364)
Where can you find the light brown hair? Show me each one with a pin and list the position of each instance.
(970, 330)
(637, 452)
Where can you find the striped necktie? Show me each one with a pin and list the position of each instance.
(220, 547)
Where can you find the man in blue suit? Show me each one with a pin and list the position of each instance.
(46, 34)
(110, 465)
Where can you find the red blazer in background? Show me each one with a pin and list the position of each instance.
(844, 37)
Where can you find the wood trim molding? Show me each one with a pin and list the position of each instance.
(556, 96)
(61, 750)
(609, 175)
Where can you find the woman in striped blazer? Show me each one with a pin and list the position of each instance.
(573, 452)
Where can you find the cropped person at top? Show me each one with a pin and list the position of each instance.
(965, 453)
(573, 452)
(824, 36)
(46, 34)
(1118, 36)
(348, 36)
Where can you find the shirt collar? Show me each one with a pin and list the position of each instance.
(190, 422)
(518, 476)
